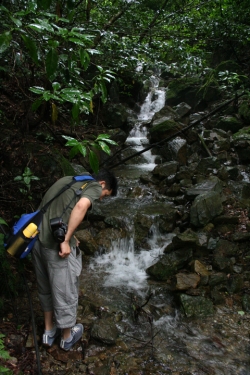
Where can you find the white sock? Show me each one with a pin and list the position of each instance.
(51, 332)
(69, 338)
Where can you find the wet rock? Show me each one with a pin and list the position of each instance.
(183, 90)
(245, 193)
(226, 248)
(107, 236)
(163, 128)
(222, 263)
(87, 243)
(185, 281)
(197, 306)
(205, 208)
(169, 264)
(217, 278)
(166, 169)
(206, 165)
(246, 302)
(186, 239)
(234, 284)
(199, 268)
(229, 123)
(240, 236)
(105, 330)
(182, 109)
(243, 150)
(213, 183)
(178, 150)
(162, 214)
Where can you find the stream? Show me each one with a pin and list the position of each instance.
(161, 340)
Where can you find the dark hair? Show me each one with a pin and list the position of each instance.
(109, 178)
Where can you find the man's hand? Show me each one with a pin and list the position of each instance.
(64, 249)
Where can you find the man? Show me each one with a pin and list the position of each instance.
(58, 265)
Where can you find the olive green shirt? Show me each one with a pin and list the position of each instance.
(92, 191)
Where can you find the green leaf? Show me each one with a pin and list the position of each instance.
(74, 151)
(5, 40)
(2, 221)
(102, 136)
(94, 51)
(51, 62)
(27, 180)
(104, 147)
(93, 161)
(103, 91)
(31, 47)
(84, 58)
(82, 149)
(36, 104)
(71, 141)
(16, 21)
(37, 90)
(111, 142)
(56, 86)
(75, 111)
(77, 41)
(18, 178)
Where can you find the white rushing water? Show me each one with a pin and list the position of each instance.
(137, 138)
(123, 266)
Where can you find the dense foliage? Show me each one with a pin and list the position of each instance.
(67, 52)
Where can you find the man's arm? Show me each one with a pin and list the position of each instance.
(77, 215)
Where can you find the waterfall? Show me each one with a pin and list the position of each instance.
(123, 266)
(137, 138)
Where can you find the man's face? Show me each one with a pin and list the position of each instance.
(105, 191)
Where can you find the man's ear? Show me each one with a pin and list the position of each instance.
(103, 184)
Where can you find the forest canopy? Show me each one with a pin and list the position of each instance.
(68, 52)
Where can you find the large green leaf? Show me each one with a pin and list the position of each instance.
(93, 161)
(51, 62)
(2, 221)
(84, 58)
(32, 48)
(5, 40)
(71, 141)
(104, 147)
(75, 111)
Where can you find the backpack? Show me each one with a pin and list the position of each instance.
(24, 232)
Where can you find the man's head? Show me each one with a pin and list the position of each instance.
(108, 182)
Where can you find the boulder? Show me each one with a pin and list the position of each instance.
(163, 128)
(196, 306)
(205, 208)
(169, 264)
(185, 281)
(213, 183)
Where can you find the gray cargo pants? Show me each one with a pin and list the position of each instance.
(58, 282)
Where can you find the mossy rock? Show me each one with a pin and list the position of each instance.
(163, 128)
(244, 111)
(183, 90)
(242, 134)
(227, 123)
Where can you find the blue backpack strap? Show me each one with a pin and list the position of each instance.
(83, 178)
